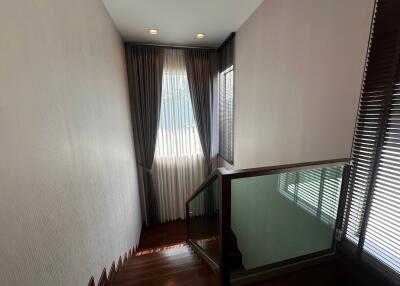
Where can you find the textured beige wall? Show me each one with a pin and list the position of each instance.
(69, 203)
(299, 68)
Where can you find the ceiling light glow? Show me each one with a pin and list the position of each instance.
(200, 35)
(153, 31)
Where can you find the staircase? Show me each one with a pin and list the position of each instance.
(176, 265)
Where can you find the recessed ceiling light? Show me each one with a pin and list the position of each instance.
(153, 31)
(200, 36)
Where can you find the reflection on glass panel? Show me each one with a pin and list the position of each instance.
(317, 191)
(203, 226)
(284, 216)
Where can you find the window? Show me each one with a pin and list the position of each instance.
(177, 132)
(226, 114)
(179, 164)
(225, 55)
(372, 218)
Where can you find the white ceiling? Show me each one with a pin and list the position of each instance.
(178, 21)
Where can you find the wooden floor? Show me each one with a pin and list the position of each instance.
(168, 267)
(164, 259)
(163, 234)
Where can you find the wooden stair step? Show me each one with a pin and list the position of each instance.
(174, 266)
(201, 281)
(160, 265)
(166, 269)
(163, 252)
(171, 278)
(141, 261)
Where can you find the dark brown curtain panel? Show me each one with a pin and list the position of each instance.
(199, 72)
(145, 70)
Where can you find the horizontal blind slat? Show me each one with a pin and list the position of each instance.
(375, 175)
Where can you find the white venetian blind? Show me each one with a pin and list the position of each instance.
(372, 219)
(226, 115)
(226, 55)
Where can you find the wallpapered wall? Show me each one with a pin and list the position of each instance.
(299, 67)
(69, 202)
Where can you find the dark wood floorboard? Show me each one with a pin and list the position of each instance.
(178, 265)
(163, 234)
(173, 266)
(164, 259)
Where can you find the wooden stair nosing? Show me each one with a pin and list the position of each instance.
(166, 252)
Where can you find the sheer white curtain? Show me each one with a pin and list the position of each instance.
(179, 165)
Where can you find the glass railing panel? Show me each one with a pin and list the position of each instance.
(203, 220)
(275, 218)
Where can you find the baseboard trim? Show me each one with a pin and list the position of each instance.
(112, 272)
(106, 279)
(103, 278)
(125, 259)
(119, 265)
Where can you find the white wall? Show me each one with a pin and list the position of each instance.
(69, 202)
(299, 67)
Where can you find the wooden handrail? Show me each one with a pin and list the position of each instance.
(254, 172)
(206, 182)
